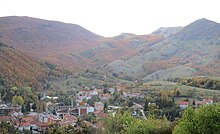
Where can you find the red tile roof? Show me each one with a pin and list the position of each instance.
(82, 103)
(69, 117)
(106, 96)
(68, 120)
(42, 124)
(7, 118)
(53, 118)
(184, 103)
(100, 114)
(26, 124)
(27, 119)
(88, 123)
(199, 102)
(208, 100)
(99, 124)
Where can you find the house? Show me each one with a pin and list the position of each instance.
(100, 90)
(78, 111)
(29, 119)
(73, 110)
(43, 117)
(111, 90)
(68, 120)
(88, 96)
(52, 119)
(42, 126)
(105, 96)
(82, 110)
(88, 124)
(120, 87)
(203, 102)
(100, 114)
(99, 106)
(208, 101)
(132, 95)
(84, 95)
(5, 110)
(136, 106)
(199, 103)
(48, 118)
(25, 126)
(49, 106)
(48, 97)
(62, 110)
(134, 113)
(183, 104)
(90, 109)
(114, 108)
(82, 103)
(8, 119)
(93, 92)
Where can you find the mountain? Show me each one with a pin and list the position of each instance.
(200, 29)
(167, 31)
(119, 47)
(167, 52)
(17, 69)
(69, 45)
(48, 40)
(193, 50)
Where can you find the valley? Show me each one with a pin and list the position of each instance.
(56, 76)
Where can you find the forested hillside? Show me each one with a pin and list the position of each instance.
(18, 69)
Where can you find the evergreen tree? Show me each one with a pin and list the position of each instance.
(146, 105)
(28, 107)
(105, 107)
(23, 109)
(34, 107)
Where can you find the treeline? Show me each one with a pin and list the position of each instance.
(22, 97)
(198, 82)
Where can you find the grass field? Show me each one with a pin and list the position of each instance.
(157, 86)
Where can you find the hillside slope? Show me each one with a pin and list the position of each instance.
(49, 40)
(69, 45)
(119, 47)
(194, 50)
(167, 31)
(18, 69)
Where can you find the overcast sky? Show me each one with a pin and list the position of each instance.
(112, 17)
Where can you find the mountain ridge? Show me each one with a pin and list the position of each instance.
(195, 30)
(186, 54)
(189, 50)
(47, 40)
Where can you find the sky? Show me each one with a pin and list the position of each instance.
(113, 17)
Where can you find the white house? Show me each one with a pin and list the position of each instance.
(90, 109)
(183, 104)
(25, 126)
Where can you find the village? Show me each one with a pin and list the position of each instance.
(88, 105)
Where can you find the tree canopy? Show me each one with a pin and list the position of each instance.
(205, 120)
